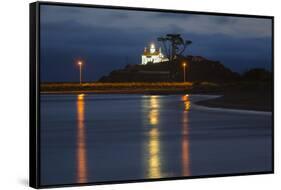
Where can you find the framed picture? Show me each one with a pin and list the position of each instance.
(120, 94)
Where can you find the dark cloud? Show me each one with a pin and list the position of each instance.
(170, 15)
(224, 20)
(119, 15)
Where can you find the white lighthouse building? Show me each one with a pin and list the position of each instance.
(152, 55)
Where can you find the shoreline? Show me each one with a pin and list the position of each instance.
(117, 88)
(131, 91)
(223, 101)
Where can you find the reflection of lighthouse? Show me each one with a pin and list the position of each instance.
(185, 137)
(153, 55)
(152, 147)
(154, 141)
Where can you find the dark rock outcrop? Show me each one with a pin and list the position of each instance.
(198, 69)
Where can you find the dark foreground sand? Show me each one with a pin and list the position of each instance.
(245, 101)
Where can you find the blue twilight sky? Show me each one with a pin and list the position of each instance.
(108, 39)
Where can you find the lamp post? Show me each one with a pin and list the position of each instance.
(80, 63)
(184, 65)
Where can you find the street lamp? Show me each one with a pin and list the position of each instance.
(184, 65)
(80, 63)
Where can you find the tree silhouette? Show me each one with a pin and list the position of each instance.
(173, 45)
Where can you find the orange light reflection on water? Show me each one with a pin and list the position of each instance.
(81, 144)
(186, 102)
(185, 137)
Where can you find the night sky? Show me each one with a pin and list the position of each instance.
(108, 39)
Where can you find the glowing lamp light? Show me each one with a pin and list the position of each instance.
(184, 65)
(80, 63)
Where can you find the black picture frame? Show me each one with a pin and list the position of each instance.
(34, 94)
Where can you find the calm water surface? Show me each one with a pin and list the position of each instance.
(94, 138)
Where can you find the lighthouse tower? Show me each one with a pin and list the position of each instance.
(152, 48)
